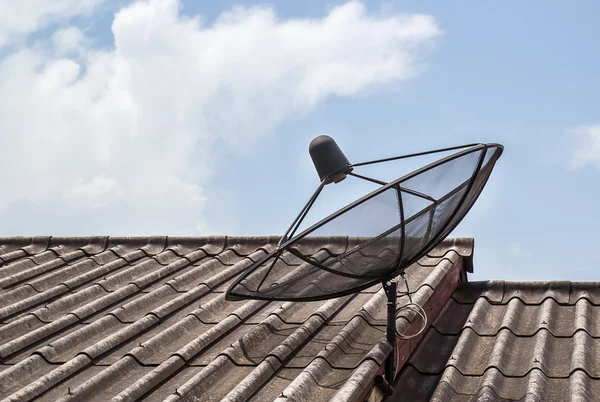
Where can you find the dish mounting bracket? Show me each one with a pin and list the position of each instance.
(386, 382)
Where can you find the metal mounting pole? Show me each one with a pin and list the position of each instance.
(390, 288)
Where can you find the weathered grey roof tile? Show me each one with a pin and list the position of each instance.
(19, 328)
(94, 273)
(105, 257)
(352, 347)
(228, 257)
(42, 257)
(519, 341)
(166, 343)
(19, 375)
(22, 306)
(137, 389)
(63, 275)
(107, 382)
(36, 335)
(537, 292)
(166, 257)
(134, 310)
(13, 256)
(587, 290)
(63, 389)
(305, 386)
(314, 244)
(66, 347)
(271, 308)
(51, 379)
(167, 388)
(33, 270)
(213, 382)
(91, 245)
(15, 295)
(29, 245)
(128, 255)
(83, 311)
(130, 318)
(218, 337)
(122, 335)
(197, 274)
(471, 291)
(184, 245)
(280, 381)
(11, 268)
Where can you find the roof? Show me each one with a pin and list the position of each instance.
(496, 340)
(101, 317)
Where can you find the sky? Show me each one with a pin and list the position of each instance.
(173, 117)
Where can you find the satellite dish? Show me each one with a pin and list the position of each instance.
(385, 231)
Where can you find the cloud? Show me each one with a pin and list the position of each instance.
(21, 17)
(101, 190)
(130, 128)
(587, 139)
(518, 250)
(69, 41)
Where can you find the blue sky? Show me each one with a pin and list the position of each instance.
(525, 74)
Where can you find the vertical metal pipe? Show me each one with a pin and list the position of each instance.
(390, 363)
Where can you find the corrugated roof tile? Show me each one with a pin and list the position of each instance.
(173, 382)
(359, 381)
(28, 245)
(20, 327)
(67, 346)
(18, 376)
(103, 317)
(107, 381)
(469, 292)
(16, 295)
(501, 340)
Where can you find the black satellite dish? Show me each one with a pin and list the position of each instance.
(398, 223)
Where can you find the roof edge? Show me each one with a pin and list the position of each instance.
(463, 246)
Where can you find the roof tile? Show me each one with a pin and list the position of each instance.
(30, 245)
(90, 245)
(163, 390)
(280, 381)
(106, 382)
(15, 295)
(66, 347)
(18, 376)
(19, 328)
(510, 340)
(587, 290)
(149, 245)
(129, 318)
(167, 342)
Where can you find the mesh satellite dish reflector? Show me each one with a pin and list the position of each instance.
(393, 226)
(384, 232)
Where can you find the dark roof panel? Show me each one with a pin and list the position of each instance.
(510, 341)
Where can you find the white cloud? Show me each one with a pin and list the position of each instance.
(98, 192)
(69, 40)
(132, 126)
(587, 139)
(518, 250)
(21, 17)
